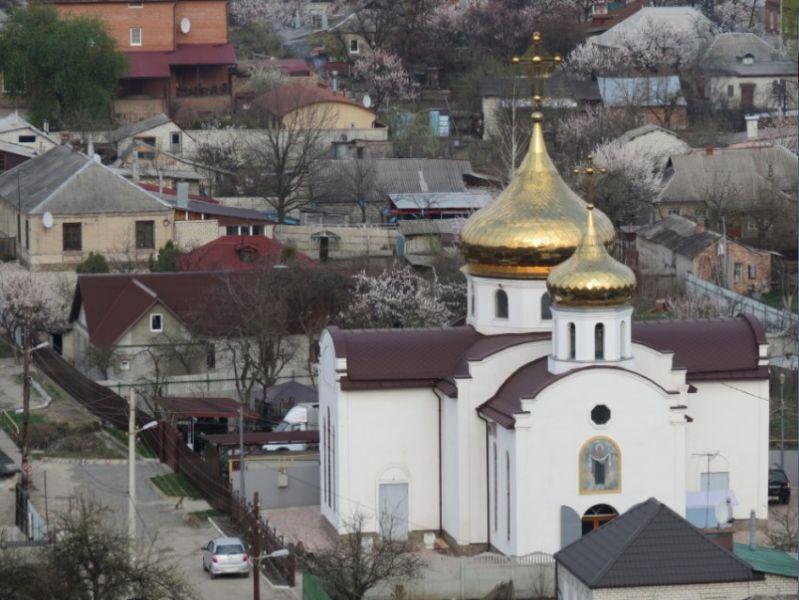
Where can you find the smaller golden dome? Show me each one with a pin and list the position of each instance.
(591, 276)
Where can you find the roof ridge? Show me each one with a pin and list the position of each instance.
(632, 536)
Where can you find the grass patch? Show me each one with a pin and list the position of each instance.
(176, 484)
(122, 437)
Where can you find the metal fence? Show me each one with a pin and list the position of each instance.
(773, 319)
(166, 442)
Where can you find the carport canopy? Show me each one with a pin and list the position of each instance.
(182, 407)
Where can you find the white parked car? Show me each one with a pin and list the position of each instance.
(226, 555)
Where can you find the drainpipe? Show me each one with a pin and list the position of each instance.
(440, 464)
(488, 484)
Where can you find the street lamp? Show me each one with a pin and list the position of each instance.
(256, 563)
(26, 474)
(132, 431)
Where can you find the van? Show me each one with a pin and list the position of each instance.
(302, 417)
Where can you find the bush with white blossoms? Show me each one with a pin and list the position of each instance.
(30, 301)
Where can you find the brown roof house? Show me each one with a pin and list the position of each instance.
(675, 246)
(163, 330)
(652, 552)
(751, 191)
(61, 205)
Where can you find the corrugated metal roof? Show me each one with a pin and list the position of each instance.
(768, 560)
(641, 91)
(650, 545)
(440, 200)
(65, 182)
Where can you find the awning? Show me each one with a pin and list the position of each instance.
(155, 65)
(147, 65)
(325, 234)
(206, 408)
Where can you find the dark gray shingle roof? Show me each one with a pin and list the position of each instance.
(725, 55)
(132, 129)
(63, 181)
(650, 545)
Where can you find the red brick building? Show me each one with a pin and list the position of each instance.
(179, 54)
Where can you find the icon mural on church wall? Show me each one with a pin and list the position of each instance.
(600, 466)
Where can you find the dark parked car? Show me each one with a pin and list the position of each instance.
(779, 486)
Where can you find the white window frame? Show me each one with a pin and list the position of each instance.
(161, 321)
(357, 46)
(141, 35)
(124, 365)
(136, 4)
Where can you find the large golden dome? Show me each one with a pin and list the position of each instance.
(533, 225)
(591, 276)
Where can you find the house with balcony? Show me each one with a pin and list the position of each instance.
(179, 55)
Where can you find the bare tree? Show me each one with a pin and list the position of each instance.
(281, 156)
(357, 182)
(783, 531)
(510, 134)
(358, 561)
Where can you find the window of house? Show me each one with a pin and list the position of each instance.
(231, 230)
(752, 271)
(354, 46)
(257, 229)
(546, 307)
(176, 141)
(135, 4)
(599, 341)
(210, 357)
(751, 224)
(730, 91)
(501, 304)
(26, 139)
(135, 36)
(748, 59)
(124, 365)
(674, 211)
(600, 414)
(737, 271)
(72, 237)
(156, 322)
(700, 212)
(28, 235)
(145, 235)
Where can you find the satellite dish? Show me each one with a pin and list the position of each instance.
(367, 101)
(185, 25)
(47, 220)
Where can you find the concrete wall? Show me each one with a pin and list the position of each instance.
(302, 476)
(354, 241)
(772, 585)
(191, 234)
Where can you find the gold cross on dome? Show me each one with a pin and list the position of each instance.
(539, 65)
(588, 172)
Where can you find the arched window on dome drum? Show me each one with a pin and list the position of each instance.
(599, 341)
(546, 311)
(572, 340)
(501, 304)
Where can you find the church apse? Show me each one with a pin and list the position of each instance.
(600, 467)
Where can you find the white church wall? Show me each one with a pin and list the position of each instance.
(524, 305)
(723, 413)
(389, 436)
(657, 366)
(560, 423)
(329, 392)
(449, 463)
(503, 491)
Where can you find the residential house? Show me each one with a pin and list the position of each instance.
(146, 164)
(179, 54)
(158, 131)
(652, 552)
(142, 328)
(357, 190)
(422, 241)
(656, 141)
(603, 15)
(298, 105)
(657, 99)
(13, 154)
(240, 253)
(743, 71)
(681, 18)
(563, 91)
(201, 219)
(16, 130)
(62, 204)
(676, 246)
(752, 190)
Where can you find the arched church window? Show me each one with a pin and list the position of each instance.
(600, 466)
(599, 341)
(546, 310)
(572, 340)
(501, 304)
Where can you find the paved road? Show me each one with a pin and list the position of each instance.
(160, 526)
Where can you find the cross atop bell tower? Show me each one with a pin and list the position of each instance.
(539, 65)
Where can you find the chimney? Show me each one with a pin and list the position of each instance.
(700, 226)
(46, 126)
(324, 19)
(183, 195)
(709, 150)
(136, 170)
(751, 127)
(334, 80)
(96, 158)
(752, 530)
(90, 148)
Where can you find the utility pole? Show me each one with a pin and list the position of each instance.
(782, 421)
(132, 467)
(241, 455)
(26, 477)
(255, 550)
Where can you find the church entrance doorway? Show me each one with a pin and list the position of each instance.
(596, 516)
(394, 511)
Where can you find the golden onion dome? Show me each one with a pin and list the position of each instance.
(591, 276)
(533, 225)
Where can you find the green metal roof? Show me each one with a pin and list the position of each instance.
(768, 560)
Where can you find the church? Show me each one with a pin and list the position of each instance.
(550, 411)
